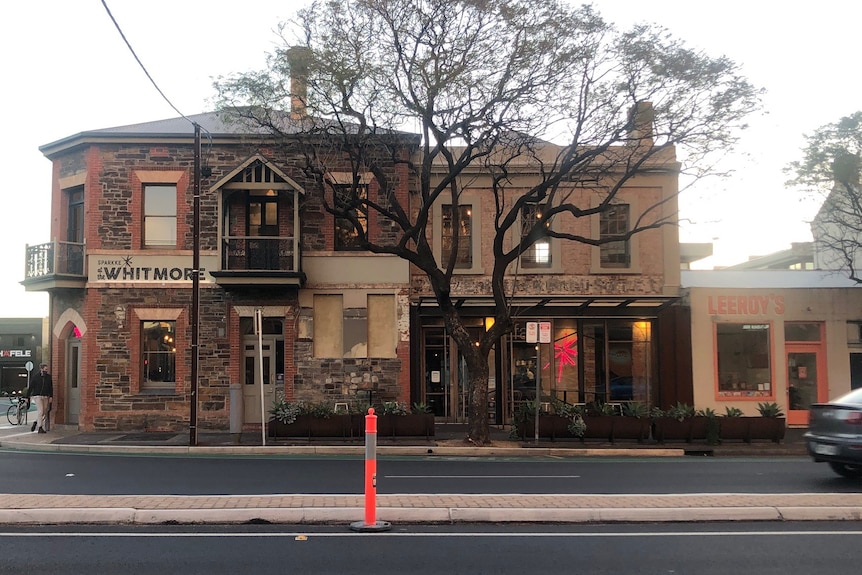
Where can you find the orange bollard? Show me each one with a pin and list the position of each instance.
(371, 524)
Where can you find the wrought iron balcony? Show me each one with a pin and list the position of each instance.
(259, 260)
(55, 264)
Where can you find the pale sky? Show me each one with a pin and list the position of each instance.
(67, 70)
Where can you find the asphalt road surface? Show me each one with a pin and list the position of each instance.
(714, 549)
(73, 474)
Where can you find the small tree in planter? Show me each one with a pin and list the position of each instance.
(771, 424)
(396, 419)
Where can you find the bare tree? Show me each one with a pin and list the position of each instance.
(830, 167)
(492, 87)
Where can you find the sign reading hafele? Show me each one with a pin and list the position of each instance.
(147, 269)
(15, 353)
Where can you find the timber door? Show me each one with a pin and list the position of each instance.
(251, 374)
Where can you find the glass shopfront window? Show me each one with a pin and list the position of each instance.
(744, 360)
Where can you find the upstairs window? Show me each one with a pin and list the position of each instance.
(160, 215)
(75, 228)
(614, 222)
(347, 236)
(538, 256)
(463, 232)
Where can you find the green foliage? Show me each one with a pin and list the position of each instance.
(394, 408)
(637, 409)
(706, 412)
(321, 410)
(600, 408)
(831, 154)
(770, 409)
(657, 413)
(574, 413)
(680, 411)
(732, 412)
(285, 411)
(420, 407)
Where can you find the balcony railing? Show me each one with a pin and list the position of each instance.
(55, 259)
(258, 253)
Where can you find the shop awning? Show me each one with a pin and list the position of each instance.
(634, 306)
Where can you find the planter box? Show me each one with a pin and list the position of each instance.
(625, 427)
(753, 427)
(600, 427)
(337, 425)
(410, 425)
(550, 426)
(688, 430)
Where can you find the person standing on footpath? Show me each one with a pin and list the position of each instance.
(41, 389)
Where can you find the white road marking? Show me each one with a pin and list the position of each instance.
(306, 534)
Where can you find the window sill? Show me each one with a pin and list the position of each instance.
(158, 391)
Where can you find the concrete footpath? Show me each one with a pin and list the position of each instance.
(403, 509)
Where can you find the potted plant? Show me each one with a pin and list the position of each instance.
(770, 424)
(712, 425)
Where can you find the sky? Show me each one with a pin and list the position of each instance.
(67, 70)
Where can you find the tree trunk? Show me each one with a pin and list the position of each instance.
(477, 411)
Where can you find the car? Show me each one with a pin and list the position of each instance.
(834, 434)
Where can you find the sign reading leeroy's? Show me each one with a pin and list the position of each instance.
(144, 269)
(745, 304)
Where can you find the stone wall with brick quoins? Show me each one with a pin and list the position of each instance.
(575, 273)
(111, 375)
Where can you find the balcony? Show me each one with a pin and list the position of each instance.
(259, 261)
(55, 265)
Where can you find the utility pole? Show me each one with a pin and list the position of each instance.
(196, 264)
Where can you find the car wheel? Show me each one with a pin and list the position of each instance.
(845, 470)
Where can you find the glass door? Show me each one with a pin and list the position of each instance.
(803, 385)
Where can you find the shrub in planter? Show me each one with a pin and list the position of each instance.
(566, 421)
(770, 424)
(396, 419)
(290, 419)
(679, 423)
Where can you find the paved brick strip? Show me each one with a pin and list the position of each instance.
(510, 501)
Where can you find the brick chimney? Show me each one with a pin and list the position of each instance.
(641, 118)
(298, 58)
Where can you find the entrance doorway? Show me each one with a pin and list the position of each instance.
(447, 378)
(806, 374)
(251, 374)
(805, 384)
(73, 380)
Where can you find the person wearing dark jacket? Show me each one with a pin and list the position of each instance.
(41, 390)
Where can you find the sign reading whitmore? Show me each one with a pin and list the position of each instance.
(144, 269)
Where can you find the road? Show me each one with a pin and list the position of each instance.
(73, 474)
(714, 549)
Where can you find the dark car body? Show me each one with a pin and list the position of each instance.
(835, 433)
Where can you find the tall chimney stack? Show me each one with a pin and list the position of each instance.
(298, 58)
(641, 117)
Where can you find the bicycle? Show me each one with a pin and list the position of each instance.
(17, 412)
